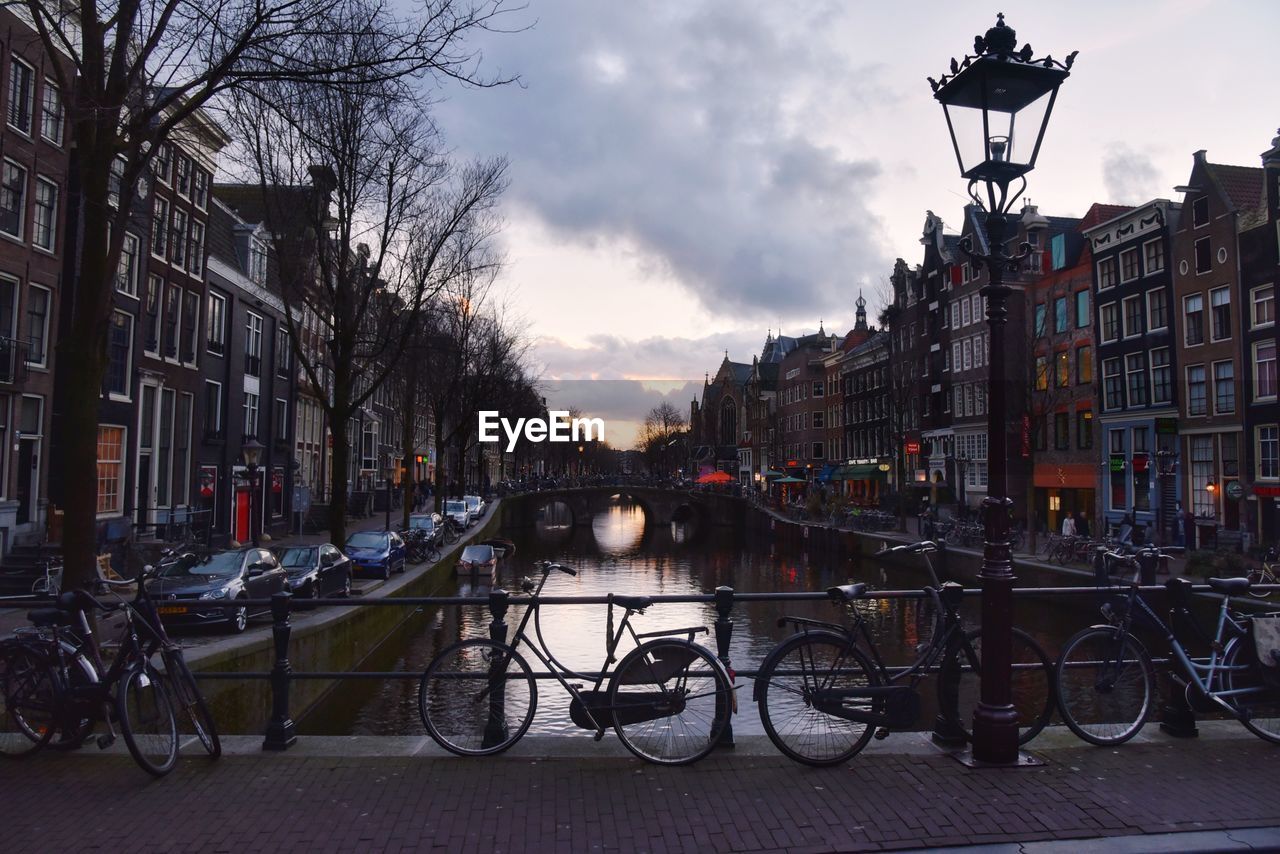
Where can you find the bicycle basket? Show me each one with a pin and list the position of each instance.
(1266, 643)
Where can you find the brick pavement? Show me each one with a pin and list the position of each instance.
(729, 802)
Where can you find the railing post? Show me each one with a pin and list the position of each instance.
(1177, 717)
(947, 729)
(724, 634)
(495, 730)
(280, 730)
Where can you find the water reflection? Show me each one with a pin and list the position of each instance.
(616, 554)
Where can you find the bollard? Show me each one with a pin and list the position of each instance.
(724, 633)
(947, 728)
(281, 729)
(1177, 717)
(495, 731)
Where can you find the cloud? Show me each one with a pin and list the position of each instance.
(693, 133)
(1130, 176)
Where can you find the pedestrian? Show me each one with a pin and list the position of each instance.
(1068, 525)
(1082, 524)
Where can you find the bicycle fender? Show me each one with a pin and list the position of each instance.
(757, 689)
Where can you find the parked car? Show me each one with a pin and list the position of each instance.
(430, 523)
(456, 509)
(191, 591)
(315, 571)
(475, 506)
(376, 552)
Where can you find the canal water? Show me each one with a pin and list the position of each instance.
(619, 553)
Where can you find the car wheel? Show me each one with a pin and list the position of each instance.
(239, 620)
(386, 571)
(404, 564)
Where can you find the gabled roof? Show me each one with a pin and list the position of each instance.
(1242, 186)
(1099, 212)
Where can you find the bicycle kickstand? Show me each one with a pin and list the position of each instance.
(108, 738)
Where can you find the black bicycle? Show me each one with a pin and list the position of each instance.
(825, 691)
(669, 699)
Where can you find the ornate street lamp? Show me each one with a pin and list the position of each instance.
(983, 97)
(252, 453)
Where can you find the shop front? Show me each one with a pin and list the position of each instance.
(1064, 489)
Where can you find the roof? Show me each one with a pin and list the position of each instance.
(1099, 213)
(1242, 185)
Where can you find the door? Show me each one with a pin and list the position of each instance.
(242, 531)
(144, 486)
(28, 479)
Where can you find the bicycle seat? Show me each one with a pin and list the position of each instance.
(847, 592)
(49, 617)
(1229, 586)
(632, 603)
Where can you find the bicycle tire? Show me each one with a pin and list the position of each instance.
(1093, 666)
(142, 704)
(1260, 714)
(187, 694)
(1031, 686)
(1260, 576)
(796, 737)
(451, 535)
(456, 718)
(28, 701)
(656, 675)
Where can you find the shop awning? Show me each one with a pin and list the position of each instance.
(862, 471)
(827, 471)
(1065, 476)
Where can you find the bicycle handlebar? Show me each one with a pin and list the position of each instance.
(922, 546)
(548, 566)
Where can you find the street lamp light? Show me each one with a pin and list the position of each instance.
(984, 95)
(252, 453)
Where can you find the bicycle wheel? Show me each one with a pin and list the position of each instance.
(1260, 576)
(1106, 685)
(790, 680)
(1031, 687)
(670, 701)
(146, 720)
(186, 694)
(477, 698)
(1260, 708)
(28, 696)
(450, 535)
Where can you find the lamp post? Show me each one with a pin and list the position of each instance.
(252, 452)
(962, 468)
(984, 95)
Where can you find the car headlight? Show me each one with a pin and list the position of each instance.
(214, 594)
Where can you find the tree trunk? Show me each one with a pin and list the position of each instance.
(407, 435)
(338, 480)
(439, 472)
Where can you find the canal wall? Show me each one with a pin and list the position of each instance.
(337, 639)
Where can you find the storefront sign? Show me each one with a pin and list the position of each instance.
(1267, 491)
(913, 447)
(1234, 490)
(1117, 463)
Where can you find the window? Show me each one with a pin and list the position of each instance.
(164, 164)
(39, 301)
(51, 113)
(1128, 265)
(253, 345)
(46, 219)
(1132, 316)
(164, 449)
(178, 242)
(1197, 399)
(1264, 369)
(1084, 365)
(1113, 385)
(115, 381)
(1063, 362)
(979, 307)
(964, 312)
(1157, 309)
(110, 468)
(1082, 309)
(160, 229)
(817, 388)
(200, 195)
(1161, 377)
(817, 451)
(284, 358)
(1136, 368)
(257, 261)
(1106, 273)
(212, 409)
(282, 420)
(13, 199)
(184, 176)
(250, 414)
(1061, 431)
(216, 331)
(1084, 429)
(1200, 211)
(172, 310)
(127, 272)
(195, 249)
(1110, 321)
(1040, 320)
(190, 318)
(1153, 251)
(1119, 494)
(151, 332)
(1202, 501)
(182, 448)
(1060, 320)
(1220, 308)
(977, 351)
(1269, 452)
(1193, 319)
(21, 92)
(1264, 305)
(1224, 387)
(1229, 454)
(115, 180)
(1204, 256)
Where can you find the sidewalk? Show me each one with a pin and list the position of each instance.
(390, 794)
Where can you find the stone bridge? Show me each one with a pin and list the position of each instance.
(661, 506)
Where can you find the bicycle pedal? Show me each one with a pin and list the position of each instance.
(599, 735)
(106, 740)
(882, 733)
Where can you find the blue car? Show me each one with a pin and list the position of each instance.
(378, 553)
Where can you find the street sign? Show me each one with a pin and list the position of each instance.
(1234, 490)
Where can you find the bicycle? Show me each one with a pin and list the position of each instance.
(1106, 680)
(821, 698)
(668, 700)
(1265, 574)
(49, 582)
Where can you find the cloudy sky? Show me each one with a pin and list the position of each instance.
(687, 175)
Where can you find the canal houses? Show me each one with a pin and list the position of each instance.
(865, 387)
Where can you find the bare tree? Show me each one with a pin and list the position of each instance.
(663, 426)
(132, 73)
